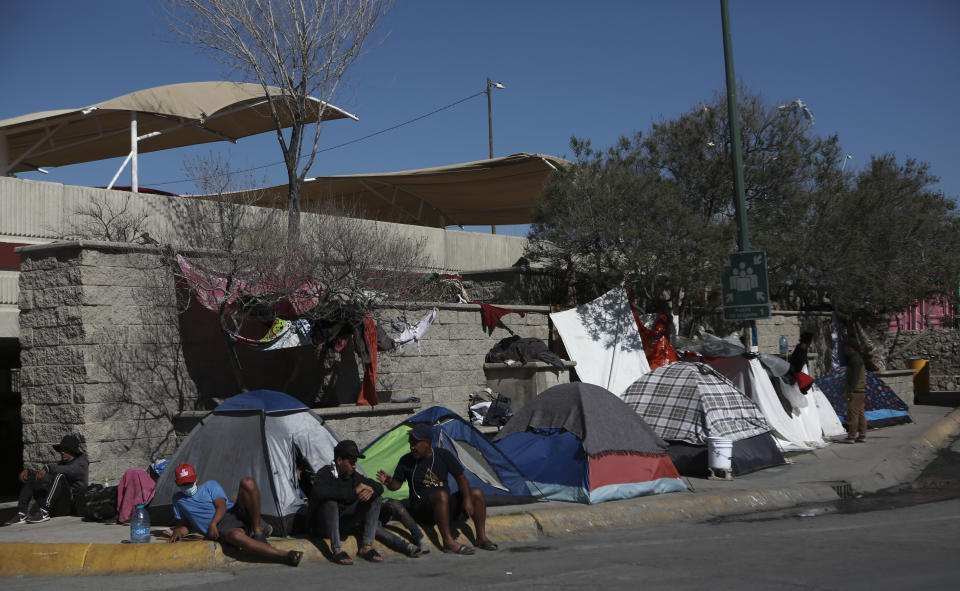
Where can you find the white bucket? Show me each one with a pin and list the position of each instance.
(720, 450)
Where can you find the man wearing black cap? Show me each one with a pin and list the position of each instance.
(425, 469)
(54, 486)
(341, 498)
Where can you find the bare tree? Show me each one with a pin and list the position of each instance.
(333, 276)
(109, 219)
(301, 47)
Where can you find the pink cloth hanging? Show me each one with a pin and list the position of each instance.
(136, 487)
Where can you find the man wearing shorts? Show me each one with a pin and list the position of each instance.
(425, 469)
(205, 508)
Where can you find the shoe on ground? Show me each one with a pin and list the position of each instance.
(17, 519)
(39, 517)
(424, 545)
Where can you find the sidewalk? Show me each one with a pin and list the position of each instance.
(891, 456)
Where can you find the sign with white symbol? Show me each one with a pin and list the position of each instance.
(745, 293)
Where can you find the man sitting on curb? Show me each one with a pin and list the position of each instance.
(426, 469)
(342, 498)
(206, 508)
(54, 486)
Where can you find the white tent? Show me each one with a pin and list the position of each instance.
(819, 413)
(797, 429)
(602, 337)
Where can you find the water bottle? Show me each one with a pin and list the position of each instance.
(140, 526)
(784, 345)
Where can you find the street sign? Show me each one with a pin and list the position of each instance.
(745, 292)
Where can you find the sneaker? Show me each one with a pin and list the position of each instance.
(424, 545)
(17, 519)
(39, 517)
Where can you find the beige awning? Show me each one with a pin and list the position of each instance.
(170, 116)
(498, 191)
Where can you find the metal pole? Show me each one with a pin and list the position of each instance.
(134, 183)
(733, 124)
(493, 229)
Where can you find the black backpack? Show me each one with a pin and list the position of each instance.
(97, 503)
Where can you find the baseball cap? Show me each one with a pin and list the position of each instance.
(185, 474)
(347, 449)
(422, 432)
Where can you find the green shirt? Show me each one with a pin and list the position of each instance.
(856, 375)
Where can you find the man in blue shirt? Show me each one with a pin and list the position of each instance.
(205, 507)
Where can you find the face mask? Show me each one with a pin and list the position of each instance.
(189, 490)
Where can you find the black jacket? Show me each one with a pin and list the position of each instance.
(327, 487)
(75, 470)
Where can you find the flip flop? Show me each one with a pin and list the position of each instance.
(343, 558)
(463, 550)
(371, 555)
(486, 545)
(294, 557)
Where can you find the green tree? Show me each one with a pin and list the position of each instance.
(889, 240)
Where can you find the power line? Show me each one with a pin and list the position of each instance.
(347, 143)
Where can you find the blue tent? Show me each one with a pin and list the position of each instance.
(882, 405)
(486, 467)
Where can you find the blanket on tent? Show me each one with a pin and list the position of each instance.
(691, 401)
(883, 407)
(602, 337)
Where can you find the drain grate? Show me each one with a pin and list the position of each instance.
(843, 489)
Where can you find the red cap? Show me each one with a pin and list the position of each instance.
(185, 474)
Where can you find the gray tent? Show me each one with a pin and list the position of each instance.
(257, 434)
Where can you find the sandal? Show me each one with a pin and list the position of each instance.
(371, 555)
(861, 439)
(463, 550)
(294, 557)
(342, 557)
(486, 545)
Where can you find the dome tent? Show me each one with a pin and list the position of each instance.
(258, 434)
(485, 466)
(579, 442)
(687, 402)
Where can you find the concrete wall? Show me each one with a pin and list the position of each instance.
(106, 354)
(38, 212)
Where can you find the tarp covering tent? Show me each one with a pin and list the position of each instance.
(496, 191)
(827, 419)
(170, 116)
(602, 337)
(684, 403)
(796, 428)
(486, 467)
(579, 442)
(257, 434)
(883, 406)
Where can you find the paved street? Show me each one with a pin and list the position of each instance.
(913, 547)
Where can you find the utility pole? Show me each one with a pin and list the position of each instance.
(733, 124)
(491, 84)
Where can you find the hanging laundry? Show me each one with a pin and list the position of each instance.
(415, 332)
(490, 315)
(283, 334)
(368, 390)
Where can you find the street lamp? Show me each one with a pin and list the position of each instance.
(849, 156)
(491, 84)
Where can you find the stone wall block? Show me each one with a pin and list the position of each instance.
(39, 318)
(47, 394)
(430, 379)
(69, 414)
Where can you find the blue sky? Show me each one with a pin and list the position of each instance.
(882, 74)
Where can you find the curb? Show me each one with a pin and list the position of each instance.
(45, 560)
(912, 458)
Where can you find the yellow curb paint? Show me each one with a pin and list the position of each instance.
(109, 559)
(42, 559)
(520, 527)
